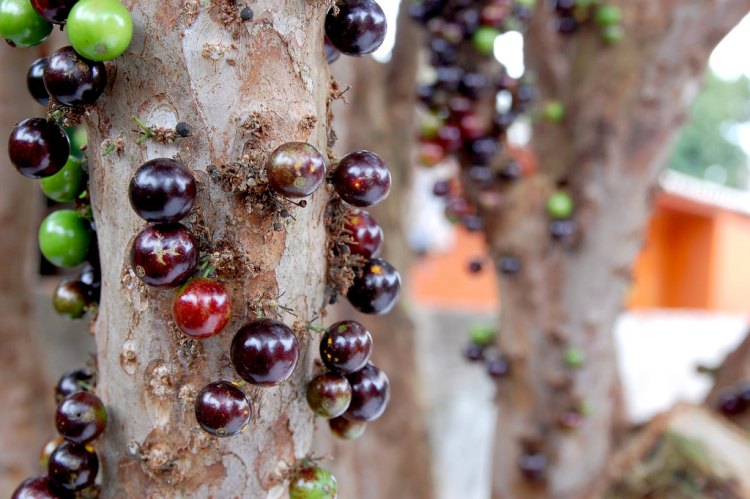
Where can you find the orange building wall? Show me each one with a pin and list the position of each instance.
(694, 256)
(731, 263)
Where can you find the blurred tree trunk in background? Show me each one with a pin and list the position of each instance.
(623, 105)
(25, 397)
(393, 459)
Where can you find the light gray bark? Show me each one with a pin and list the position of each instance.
(245, 88)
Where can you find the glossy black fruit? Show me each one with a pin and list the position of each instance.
(72, 80)
(38, 148)
(356, 27)
(377, 289)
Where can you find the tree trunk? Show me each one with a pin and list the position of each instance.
(25, 397)
(734, 371)
(393, 458)
(244, 88)
(623, 104)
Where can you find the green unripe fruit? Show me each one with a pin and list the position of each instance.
(67, 184)
(483, 40)
(312, 482)
(608, 15)
(482, 335)
(560, 205)
(78, 139)
(21, 25)
(64, 238)
(554, 111)
(574, 357)
(99, 30)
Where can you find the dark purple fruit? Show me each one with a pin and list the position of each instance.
(73, 466)
(80, 417)
(72, 80)
(371, 391)
(331, 52)
(91, 277)
(222, 409)
(347, 429)
(377, 289)
(730, 403)
(346, 346)
(498, 368)
(40, 487)
(162, 190)
(35, 81)
(533, 467)
(295, 169)
(265, 352)
(474, 352)
(362, 179)
(509, 265)
(74, 381)
(329, 395)
(365, 233)
(356, 27)
(54, 11)
(164, 255)
(38, 148)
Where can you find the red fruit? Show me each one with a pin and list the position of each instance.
(201, 308)
(366, 234)
(430, 153)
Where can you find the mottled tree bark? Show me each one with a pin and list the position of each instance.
(393, 458)
(24, 395)
(623, 105)
(245, 88)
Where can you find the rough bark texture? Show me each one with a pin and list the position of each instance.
(393, 458)
(244, 88)
(24, 395)
(623, 105)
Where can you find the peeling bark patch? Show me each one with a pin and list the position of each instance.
(280, 447)
(159, 379)
(190, 11)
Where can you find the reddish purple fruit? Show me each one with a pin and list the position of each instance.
(295, 169)
(533, 467)
(377, 289)
(54, 11)
(356, 27)
(164, 255)
(40, 487)
(366, 234)
(201, 308)
(329, 395)
(74, 381)
(162, 190)
(72, 80)
(346, 346)
(73, 466)
(371, 391)
(347, 429)
(265, 352)
(362, 179)
(38, 148)
(80, 417)
(222, 409)
(35, 81)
